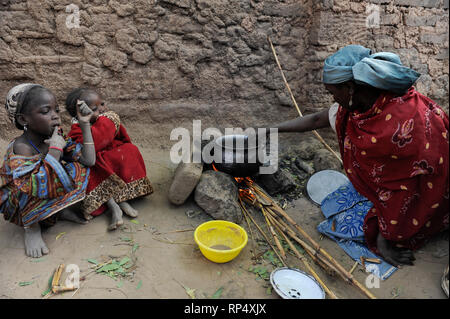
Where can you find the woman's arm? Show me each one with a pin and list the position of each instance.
(306, 123)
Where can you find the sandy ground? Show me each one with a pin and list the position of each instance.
(169, 262)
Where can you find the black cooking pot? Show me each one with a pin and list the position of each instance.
(239, 159)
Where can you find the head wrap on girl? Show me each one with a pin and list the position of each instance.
(15, 99)
(382, 70)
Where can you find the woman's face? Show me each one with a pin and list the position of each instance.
(342, 95)
(96, 104)
(42, 114)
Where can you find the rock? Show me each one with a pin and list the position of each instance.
(91, 74)
(125, 39)
(282, 181)
(217, 195)
(307, 148)
(142, 53)
(186, 177)
(164, 51)
(304, 166)
(115, 60)
(324, 159)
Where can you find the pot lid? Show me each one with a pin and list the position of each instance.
(323, 183)
(291, 283)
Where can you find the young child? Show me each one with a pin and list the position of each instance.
(119, 174)
(43, 172)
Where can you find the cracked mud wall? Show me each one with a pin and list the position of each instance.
(163, 63)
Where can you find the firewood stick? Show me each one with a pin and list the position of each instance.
(325, 253)
(58, 289)
(251, 235)
(261, 231)
(319, 249)
(56, 277)
(295, 102)
(308, 266)
(354, 267)
(274, 235)
(324, 263)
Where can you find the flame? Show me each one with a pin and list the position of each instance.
(245, 193)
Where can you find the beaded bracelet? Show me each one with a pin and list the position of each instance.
(56, 148)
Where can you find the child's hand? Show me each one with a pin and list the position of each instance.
(56, 140)
(84, 113)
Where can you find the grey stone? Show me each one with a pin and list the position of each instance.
(217, 195)
(186, 177)
(282, 181)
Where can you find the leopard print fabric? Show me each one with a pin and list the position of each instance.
(115, 187)
(114, 117)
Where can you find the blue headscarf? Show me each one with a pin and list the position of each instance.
(382, 70)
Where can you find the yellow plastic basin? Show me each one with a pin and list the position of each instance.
(220, 241)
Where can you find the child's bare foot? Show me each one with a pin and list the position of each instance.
(116, 214)
(34, 244)
(71, 216)
(394, 256)
(127, 209)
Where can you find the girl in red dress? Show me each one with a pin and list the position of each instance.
(119, 174)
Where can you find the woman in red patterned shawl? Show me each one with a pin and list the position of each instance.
(394, 143)
(119, 174)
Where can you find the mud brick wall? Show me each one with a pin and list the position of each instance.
(416, 30)
(161, 56)
(150, 51)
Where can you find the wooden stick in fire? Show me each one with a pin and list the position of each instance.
(274, 235)
(316, 246)
(244, 210)
(295, 102)
(319, 259)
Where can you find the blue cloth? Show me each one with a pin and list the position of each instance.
(346, 209)
(382, 70)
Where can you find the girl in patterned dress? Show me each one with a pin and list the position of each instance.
(43, 172)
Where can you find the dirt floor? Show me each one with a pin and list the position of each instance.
(169, 265)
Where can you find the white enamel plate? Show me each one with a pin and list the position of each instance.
(323, 183)
(291, 283)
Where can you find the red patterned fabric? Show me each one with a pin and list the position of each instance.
(397, 155)
(119, 170)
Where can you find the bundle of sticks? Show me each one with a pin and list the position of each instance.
(282, 227)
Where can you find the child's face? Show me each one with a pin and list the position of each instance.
(96, 104)
(43, 114)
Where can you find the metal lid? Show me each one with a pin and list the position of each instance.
(291, 283)
(322, 183)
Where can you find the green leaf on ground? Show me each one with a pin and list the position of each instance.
(108, 268)
(135, 221)
(218, 293)
(135, 247)
(49, 286)
(37, 260)
(59, 235)
(25, 283)
(125, 239)
(93, 261)
(124, 261)
(120, 284)
(139, 285)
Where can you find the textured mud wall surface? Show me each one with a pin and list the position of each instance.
(162, 63)
(416, 30)
(144, 54)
